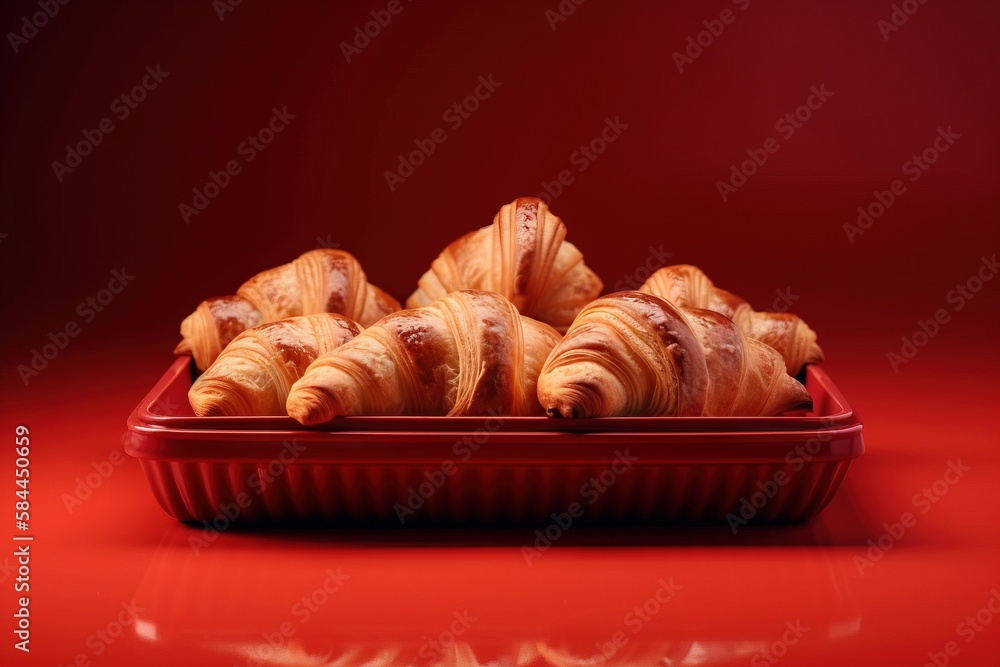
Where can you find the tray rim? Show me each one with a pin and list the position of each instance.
(146, 415)
(479, 448)
(521, 448)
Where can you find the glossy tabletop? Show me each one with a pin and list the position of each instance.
(901, 567)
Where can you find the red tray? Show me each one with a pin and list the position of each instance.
(414, 470)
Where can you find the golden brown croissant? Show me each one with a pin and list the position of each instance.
(320, 281)
(254, 373)
(688, 287)
(523, 255)
(469, 353)
(635, 354)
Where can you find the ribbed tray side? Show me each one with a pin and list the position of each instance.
(225, 493)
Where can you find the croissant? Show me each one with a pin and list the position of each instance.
(320, 281)
(469, 353)
(254, 373)
(635, 354)
(523, 255)
(688, 287)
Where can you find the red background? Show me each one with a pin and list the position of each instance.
(654, 186)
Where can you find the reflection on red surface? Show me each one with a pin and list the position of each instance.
(347, 600)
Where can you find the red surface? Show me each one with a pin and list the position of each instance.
(213, 598)
(654, 186)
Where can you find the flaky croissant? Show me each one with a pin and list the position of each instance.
(469, 353)
(320, 281)
(635, 354)
(254, 373)
(687, 286)
(524, 256)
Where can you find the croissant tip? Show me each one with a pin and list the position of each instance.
(804, 400)
(564, 411)
(309, 407)
(813, 358)
(206, 409)
(183, 347)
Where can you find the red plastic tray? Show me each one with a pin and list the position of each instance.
(414, 470)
